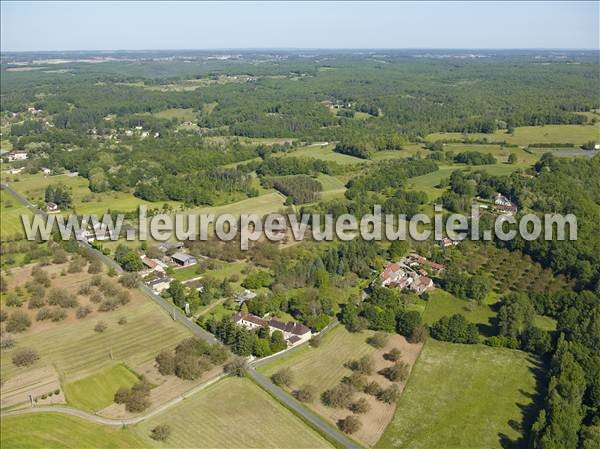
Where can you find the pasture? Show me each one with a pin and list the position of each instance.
(464, 396)
(59, 431)
(232, 413)
(526, 135)
(97, 391)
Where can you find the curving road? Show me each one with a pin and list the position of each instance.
(176, 314)
(112, 421)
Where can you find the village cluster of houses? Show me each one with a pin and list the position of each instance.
(293, 333)
(409, 274)
(155, 275)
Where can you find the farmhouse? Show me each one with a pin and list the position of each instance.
(293, 333)
(158, 282)
(447, 242)
(184, 259)
(509, 209)
(153, 264)
(244, 296)
(418, 260)
(422, 284)
(17, 156)
(401, 275)
(501, 200)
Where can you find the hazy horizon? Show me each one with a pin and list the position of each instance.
(206, 26)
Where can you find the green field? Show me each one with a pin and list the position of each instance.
(97, 391)
(177, 113)
(324, 152)
(84, 200)
(76, 350)
(441, 303)
(58, 431)
(427, 183)
(463, 396)
(10, 215)
(263, 204)
(232, 413)
(324, 366)
(576, 134)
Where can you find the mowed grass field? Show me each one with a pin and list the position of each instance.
(97, 391)
(10, 215)
(233, 413)
(463, 397)
(58, 431)
(576, 134)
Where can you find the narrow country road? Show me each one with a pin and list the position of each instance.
(296, 407)
(198, 331)
(112, 421)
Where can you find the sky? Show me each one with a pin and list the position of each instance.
(47, 25)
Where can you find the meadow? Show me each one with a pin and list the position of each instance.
(325, 153)
(262, 204)
(97, 391)
(526, 135)
(442, 303)
(428, 183)
(464, 396)
(232, 413)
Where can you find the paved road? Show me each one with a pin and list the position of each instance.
(197, 330)
(294, 405)
(110, 421)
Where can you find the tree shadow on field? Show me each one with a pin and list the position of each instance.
(529, 411)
